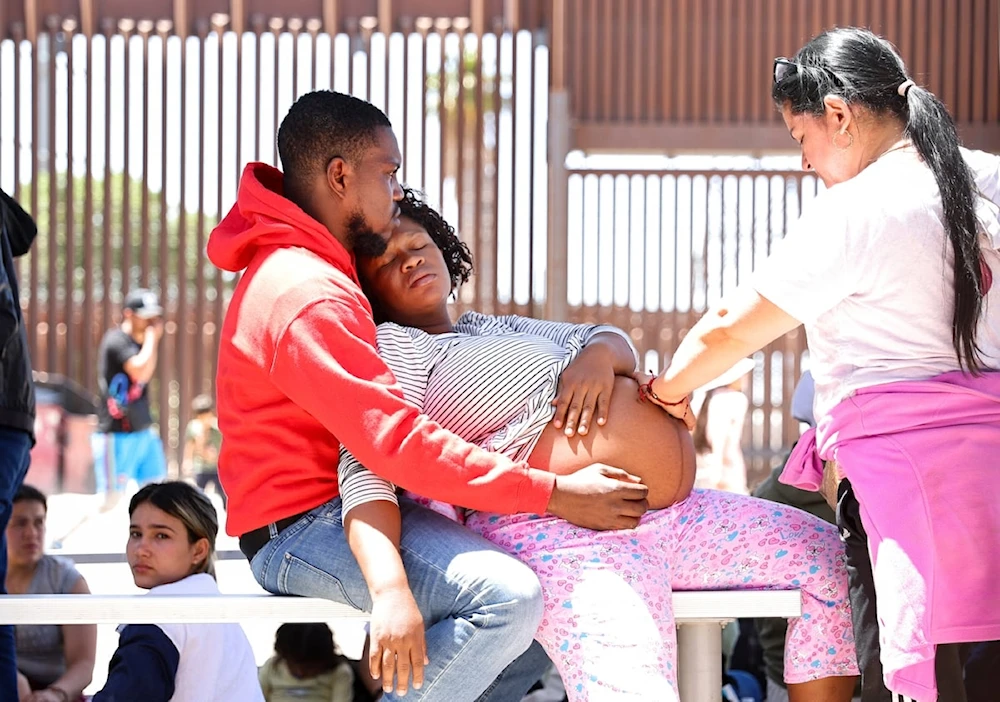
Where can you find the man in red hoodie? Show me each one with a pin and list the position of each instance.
(299, 375)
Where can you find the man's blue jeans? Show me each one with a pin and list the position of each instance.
(481, 607)
(15, 455)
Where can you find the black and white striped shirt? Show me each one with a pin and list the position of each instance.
(491, 381)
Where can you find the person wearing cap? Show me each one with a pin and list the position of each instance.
(126, 445)
(893, 269)
(718, 432)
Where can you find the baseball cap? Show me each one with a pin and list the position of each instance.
(143, 303)
(202, 404)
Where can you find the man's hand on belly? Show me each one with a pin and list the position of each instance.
(599, 497)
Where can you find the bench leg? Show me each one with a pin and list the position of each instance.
(699, 661)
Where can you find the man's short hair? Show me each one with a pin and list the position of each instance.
(320, 126)
(29, 493)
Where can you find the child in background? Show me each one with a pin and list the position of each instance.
(718, 432)
(306, 667)
(202, 442)
(171, 551)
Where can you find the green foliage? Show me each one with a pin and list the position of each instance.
(117, 222)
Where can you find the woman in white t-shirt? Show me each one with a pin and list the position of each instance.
(171, 551)
(892, 269)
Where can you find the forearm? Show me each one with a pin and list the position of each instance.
(734, 329)
(707, 351)
(76, 678)
(372, 531)
(142, 366)
(384, 431)
(620, 353)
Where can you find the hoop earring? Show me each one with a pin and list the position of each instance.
(849, 144)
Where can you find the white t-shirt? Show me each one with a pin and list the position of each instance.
(216, 660)
(868, 270)
(986, 170)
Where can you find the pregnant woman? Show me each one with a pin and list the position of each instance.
(564, 397)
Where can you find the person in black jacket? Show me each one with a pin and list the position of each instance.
(17, 402)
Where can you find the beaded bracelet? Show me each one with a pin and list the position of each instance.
(646, 393)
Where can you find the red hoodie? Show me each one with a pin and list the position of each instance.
(299, 374)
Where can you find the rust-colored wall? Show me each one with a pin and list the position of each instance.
(696, 74)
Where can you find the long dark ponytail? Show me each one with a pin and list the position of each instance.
(865, 69)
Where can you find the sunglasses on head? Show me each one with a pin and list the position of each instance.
(783, 68)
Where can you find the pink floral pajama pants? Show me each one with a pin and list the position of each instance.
(608, 624)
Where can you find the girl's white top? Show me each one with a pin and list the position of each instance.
(216, 660)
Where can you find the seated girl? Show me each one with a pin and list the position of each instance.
(171, 551)
(563, 396)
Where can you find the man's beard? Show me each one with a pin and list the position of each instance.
(363, 240)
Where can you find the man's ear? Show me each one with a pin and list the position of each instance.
(337, 172)
(838, 113)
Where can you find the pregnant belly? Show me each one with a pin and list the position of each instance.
(638, 437)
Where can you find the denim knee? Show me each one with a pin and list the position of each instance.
(517, 599)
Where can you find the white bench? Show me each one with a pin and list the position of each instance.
(699, 616)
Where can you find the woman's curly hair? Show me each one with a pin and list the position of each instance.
(456, 254)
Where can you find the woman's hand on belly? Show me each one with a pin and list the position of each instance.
(638, 438)
(584, 393)
(678, 410)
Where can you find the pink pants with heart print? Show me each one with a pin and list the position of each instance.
(608, 622)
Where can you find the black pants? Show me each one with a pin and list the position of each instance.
(955, 682)
(211, 476)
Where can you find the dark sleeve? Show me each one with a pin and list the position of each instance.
(119, 347)
(21, 229)
(143, 667)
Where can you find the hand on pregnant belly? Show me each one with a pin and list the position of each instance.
(679, 410)
(638, 438)
(584, 393)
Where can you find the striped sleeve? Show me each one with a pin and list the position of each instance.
(409, 355)
(359, 485)
(564, 334)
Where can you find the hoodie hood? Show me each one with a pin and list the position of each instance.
(263, 218)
